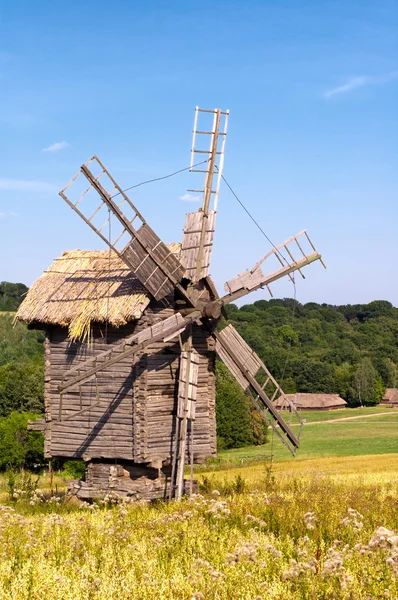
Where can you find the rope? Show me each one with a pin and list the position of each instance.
(294, 287)
(160, 178)
(252, 218)
(272, 244)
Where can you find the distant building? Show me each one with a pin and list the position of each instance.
(391, 397)
(313, 402)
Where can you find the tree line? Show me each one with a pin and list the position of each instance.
(351, 350)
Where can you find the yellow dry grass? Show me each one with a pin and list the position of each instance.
(315, 528)
(380, 468)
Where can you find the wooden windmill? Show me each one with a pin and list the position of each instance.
(186, 309)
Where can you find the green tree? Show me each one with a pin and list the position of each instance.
(21, 367)
(18, 446)
(238, 424)
(259, 426)
(326, 337)
(287, 335)
(377, 308)
(18, 343)
(11, 295)
(343, 375)
(368, 387)
(392, 373)
(21, 388)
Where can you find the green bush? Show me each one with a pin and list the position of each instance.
(18, 446)
(75, 469)
(11, 295)
(21, 388)
(238, 423)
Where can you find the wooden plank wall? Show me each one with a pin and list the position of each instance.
(105, 428)
(162, 362)
(129, 409)
(162, 383)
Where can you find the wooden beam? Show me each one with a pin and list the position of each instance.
(173, 323)
(183, 402)
(251, 381)
(265, 280)
(207, 194)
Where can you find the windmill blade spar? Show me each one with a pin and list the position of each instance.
(199, 226)
(254, 279)
(244, 364)
(157, 268)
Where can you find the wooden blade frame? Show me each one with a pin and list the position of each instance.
(244, 364)
(193, 239)
(199, 227)
(145, 254)
(252, 280)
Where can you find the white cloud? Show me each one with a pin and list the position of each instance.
(190, 198)
(22, 185)
(8, 214)
(55, 147)
(357, 82)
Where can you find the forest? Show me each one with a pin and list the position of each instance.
(351, 350)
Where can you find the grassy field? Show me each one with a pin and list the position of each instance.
(311, 416)
(313, 527)
(374, 433)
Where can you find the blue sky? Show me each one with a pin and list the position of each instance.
(312, 88)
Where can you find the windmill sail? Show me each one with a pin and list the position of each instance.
(141, 249)
(192, 239)
(252, 280)
(198, 237)
(244, 364)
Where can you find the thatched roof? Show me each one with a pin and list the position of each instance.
(86, 286)
(391, 395)
(314, 401)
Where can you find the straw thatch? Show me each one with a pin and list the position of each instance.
(390, 397)
(86, 286)
(313, 401)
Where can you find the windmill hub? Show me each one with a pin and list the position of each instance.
(212, 310)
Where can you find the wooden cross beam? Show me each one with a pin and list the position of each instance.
(246, 379)
(250, 281)
(133, 344)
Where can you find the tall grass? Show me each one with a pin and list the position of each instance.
(307, 536)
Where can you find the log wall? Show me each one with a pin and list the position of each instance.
(127, 411)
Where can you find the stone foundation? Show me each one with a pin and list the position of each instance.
(126, 480)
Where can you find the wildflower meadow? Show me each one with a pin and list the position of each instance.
(247, 535)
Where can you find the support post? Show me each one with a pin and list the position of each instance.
(182, 442)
